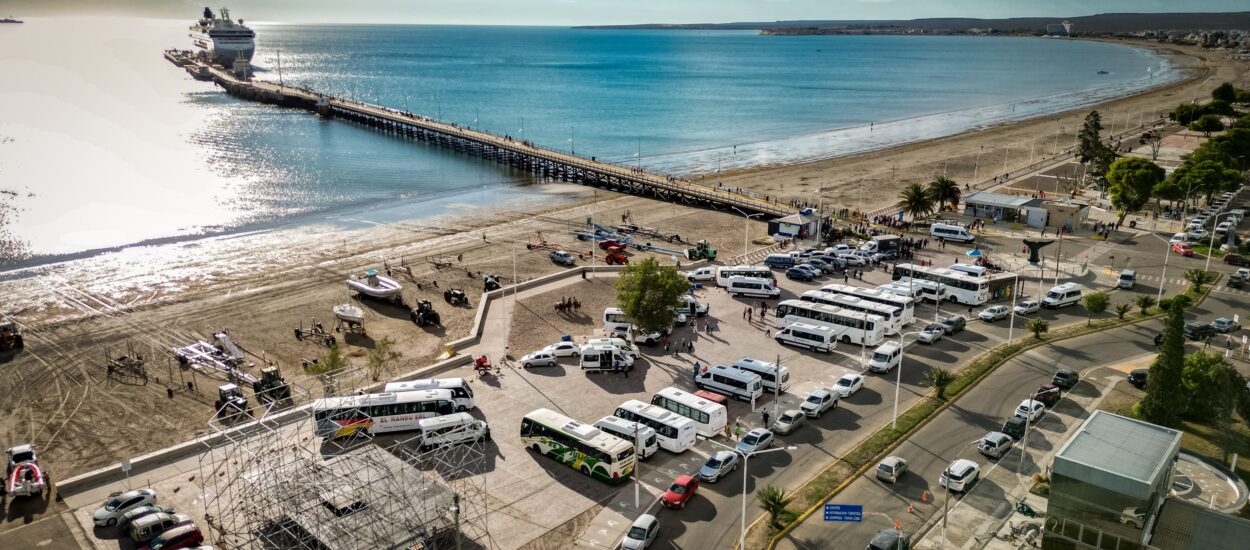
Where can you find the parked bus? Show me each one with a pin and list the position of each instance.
(676, 433)
(861, 328)
(642, 436)
(460, 390)
(724, 273)
(582, 447)
(709, 418)
(905, 308)
(379, 412)
(924, 290)
(891, 315)
(964, 288)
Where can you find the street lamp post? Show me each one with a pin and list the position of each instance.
(746, 228)
(1011, 323)
(1163, 278)
(1028, 426)
(898, 377)
(746, 457)
(1211, 246)
(947, 497)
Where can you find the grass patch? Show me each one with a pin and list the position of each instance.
(1204, 250)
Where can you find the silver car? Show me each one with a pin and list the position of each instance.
(819, 401)
(719, 464)
(539, 359)
(891, 468)
(642, 533)
(789, 421)
(118, 505)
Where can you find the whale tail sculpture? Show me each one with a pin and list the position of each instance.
(1034, 247)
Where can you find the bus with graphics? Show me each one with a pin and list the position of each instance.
(379, 412)
(579, 446)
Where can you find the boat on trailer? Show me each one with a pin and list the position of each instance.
(374, 285)
(350, 313)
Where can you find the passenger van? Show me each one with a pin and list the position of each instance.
(605, 357)
(815, 337)
(452, 429)
(950, 233)
(1063, 295)
(732, 382)
(885, 357)
(769, 373)
(620, 343)
(779, 261)
(461, 393)
(643, 437)
(752, 286)
(1128, 278)
(702, 274)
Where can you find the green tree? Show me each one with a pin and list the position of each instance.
(1153, 138)
(1198, 278)
(1145, 301)
(1163, 402)
(381, 357)
(1167, 190)
(1096, 302)
(1186, 113)
(1209, 176)
(1132, 182)
(1225, 92)
(1038, 326)
(330, 361)
(1207, 124)
(647, 293)
(1091, 151)
(916, 201)
(1206, 377)
(774, 501)
(1122, 309)
(939, 378)
(945, 192)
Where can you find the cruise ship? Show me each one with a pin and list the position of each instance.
(222, 40)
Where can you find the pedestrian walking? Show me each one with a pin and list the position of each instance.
(750, 314)
(764, 413)
(665, 340)
(727, 432)
(738, 428)
(745, 311)
(696, 371)
(690, 347)
(768, 332)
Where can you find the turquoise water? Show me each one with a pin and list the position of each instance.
(175, 158)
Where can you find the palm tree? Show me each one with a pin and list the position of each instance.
(939, 379)
(916, 201)
(774, 500)
(1198, 277)
(1123, 309)
(1145, 302)
(945, 192)
(1037, 326)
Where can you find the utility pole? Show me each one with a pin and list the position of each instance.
(280, 84)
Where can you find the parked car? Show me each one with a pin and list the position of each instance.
(1137, 378)
(719, 464)
(1048, 394)
(994, 313)
(890, 539)
(891, 468)
(960, 475)
(756, 440)
(564, 349)
(1028, 306)
(539, 359)
(789, 421)
(560, 257)
(123, 524)
(848, 385)
(1236, 281)
(797, 273)
(953, 324)
(183, 536)
(819, 263)
(680, 492)
(1066, 378)
(1198, 331)
(117, 506)
(1243, 272)
(147, 528)
(1197, 234)
(817, 402)
(931, 333)
(995, 444)
(1015, 427)
(1184, 249)
(853, 260)
(642, 533)
(1236, 259)
(1177, 238)
(816, 271)
(1224, 325)
(1030, 410)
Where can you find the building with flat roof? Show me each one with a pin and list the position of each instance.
(1006, 208)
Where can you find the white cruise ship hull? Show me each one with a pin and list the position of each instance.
(224, 50)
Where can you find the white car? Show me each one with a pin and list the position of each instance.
(539, 359)
(931, 333)
(1244, 273)
(564, 349)
(642, 533)
(1031, 410)
(838, 249)
(719, 464)
(848, 385)
(852, 259)
(960, 475)
(789, 421)
(1198, 234)
(1178, 238)
(1028, 306)
(817, 402)
(118, 505)
(755, 440)
(994, 313)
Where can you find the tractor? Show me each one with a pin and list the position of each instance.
(10, 337)
(231, 403)
(424, 314)
(701, 251)
(615, 256)
(491, 282)
(456, 297)
(271, 388)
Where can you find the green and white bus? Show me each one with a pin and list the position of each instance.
(582, 447)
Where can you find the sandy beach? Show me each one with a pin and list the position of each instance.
(59, 396)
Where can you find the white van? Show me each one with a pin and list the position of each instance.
(643, 437)
(950, 233)
(620, 343)
(903, 289)
(601, 358)
(769, 373)
(815, 337)
(701, 274)
(1065, 294)
(974, 270)
(885, 357)
(732, 382)
(451, 429)
(752, 286)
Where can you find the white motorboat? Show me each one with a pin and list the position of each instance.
(350, 313)
(375, 286)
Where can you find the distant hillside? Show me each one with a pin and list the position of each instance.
(1101, 23)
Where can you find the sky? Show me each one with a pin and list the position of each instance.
(601, 12)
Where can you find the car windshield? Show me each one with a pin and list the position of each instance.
(713, 463)
(885, 468)
(112, 504)
(875, 357)
(750, 439)
(23, 456)
(677, 489)
(844, 382)
(637, 533)
(814, 399)
(785, 418)
(956, 476)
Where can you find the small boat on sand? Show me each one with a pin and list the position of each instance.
(350, 313)
(375, 286)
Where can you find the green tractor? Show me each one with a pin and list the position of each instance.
(701, 251)
(271, 388)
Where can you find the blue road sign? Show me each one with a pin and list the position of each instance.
(844, 512)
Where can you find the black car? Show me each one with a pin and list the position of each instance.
(1236, 281)
(890, 539)
(1138, 378)
(1065, 378)
(1198, 331)
(1015, 427)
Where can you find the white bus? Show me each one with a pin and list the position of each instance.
(460, 390)
(675, 433)
(928, 291)
(379, 412)
(892, 315)
(861, 328)
(732, 382)
(959, 287)
(709, 418)
(584, 448)
(642, 436)
(905, 308)
(725, 272)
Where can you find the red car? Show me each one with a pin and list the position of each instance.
(1183, 249)
(183, 536)
(682, 490)
(1048, 394)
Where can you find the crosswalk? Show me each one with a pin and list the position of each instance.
(1178, 281)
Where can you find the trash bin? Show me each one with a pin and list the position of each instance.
(1132, 223)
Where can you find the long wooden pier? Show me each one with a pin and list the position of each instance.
(545, 163)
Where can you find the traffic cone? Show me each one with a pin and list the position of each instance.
(898, 524)
(924, 496)
(910, 509)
